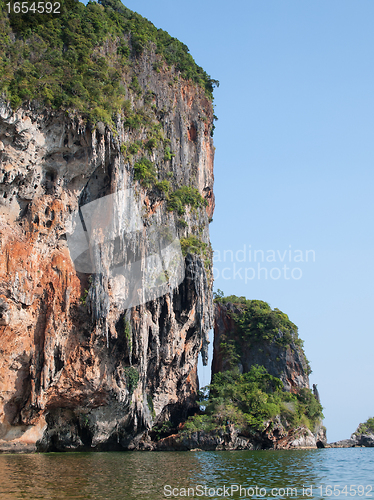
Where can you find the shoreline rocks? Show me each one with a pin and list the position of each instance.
(356, 440)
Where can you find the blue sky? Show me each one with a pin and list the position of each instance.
(294, 170)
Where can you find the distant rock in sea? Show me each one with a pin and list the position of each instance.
(363, 436)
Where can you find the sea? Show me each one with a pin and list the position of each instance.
(275, 474)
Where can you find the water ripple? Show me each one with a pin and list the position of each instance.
(137, 476)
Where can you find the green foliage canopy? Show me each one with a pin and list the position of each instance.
(57, 59)
(366, 427)
(185, 195)
(145, 172)
(132, 378)
(249, 400)
(256, 321)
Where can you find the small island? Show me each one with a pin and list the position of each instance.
(362, 437)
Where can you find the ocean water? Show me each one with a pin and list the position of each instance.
(325, 473)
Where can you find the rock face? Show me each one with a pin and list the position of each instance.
(77, 369)
(285, 362)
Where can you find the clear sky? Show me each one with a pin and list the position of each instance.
(294, 171)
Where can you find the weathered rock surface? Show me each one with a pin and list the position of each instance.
(344, 443)
(288, 363)
(273, 437)
(63, 363)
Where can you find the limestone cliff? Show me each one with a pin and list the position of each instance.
(78, 369)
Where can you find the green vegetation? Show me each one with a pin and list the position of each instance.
(135, 86)
(231, 349)
(145, 172)
(163, 186)
(157, 66)
(257, 322)
(182, 223)
(193, 245)
(84, 421)
(186, 195)
(151, 144)
(150, 406)
(162, 430)
(83, 60)
(168, 154)
(135, 147)
(132, 378)
(127, 331)
(249, 400)
(83, 299)
(366, 427)
(213, 126)
(134, 120)
(57, 59)
(172, 50)
(178, 200)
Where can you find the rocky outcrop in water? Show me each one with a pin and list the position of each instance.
(285, 361)
(274, 437)
(266, 338)
(362, 437)
(78, 370)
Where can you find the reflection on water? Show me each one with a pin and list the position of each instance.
(138, 476)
